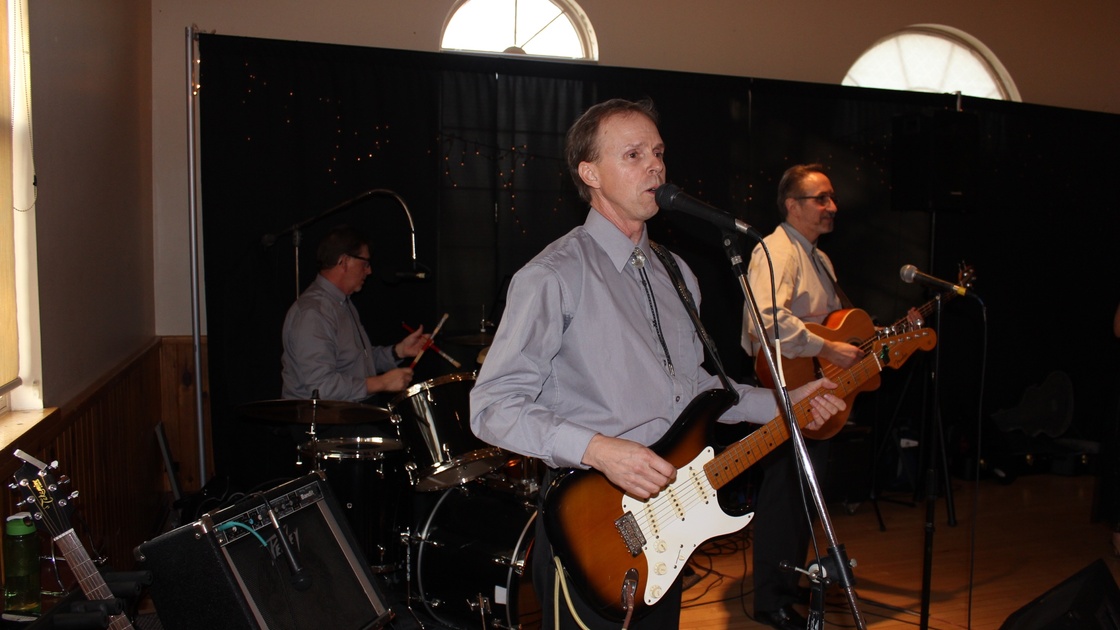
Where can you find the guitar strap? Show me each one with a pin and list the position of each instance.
(690, 306)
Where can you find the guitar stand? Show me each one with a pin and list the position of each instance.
(890, 437)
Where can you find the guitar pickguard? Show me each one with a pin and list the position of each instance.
(677, 521)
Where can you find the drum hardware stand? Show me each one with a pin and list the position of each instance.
(837, 556)
(482, 605)
(406, 539)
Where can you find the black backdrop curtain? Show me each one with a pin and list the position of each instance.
(473, 144)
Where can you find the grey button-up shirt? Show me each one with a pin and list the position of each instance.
(577, 353)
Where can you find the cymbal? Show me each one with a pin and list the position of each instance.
(477, 339)
(313, 411)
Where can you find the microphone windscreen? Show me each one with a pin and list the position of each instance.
(665, 195)
(907, 273)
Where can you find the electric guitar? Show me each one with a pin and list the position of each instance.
(50, 506)
(853, 326)
(614, 545)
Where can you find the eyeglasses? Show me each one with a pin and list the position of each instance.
(361, 258)
(821, 198)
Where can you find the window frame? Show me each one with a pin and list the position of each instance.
(581, 25)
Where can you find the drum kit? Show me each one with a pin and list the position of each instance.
(466, 558)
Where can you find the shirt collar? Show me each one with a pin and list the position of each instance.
(330, 288)
(617, 246)
(798, 238)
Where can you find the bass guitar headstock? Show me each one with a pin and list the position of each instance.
(966, 275)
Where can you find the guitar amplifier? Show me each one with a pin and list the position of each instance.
(230, 570)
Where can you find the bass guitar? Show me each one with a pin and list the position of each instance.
(853, 326)
(51, 506)
(613, 544)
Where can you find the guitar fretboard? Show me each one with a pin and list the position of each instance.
(740, 456)
(89, 578)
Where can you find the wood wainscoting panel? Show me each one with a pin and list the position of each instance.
(180, 419)
(105, 442)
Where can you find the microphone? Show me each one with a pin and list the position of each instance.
(910, 273)
(671, 197)
(300, 580)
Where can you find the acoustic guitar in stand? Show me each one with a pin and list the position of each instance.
(50, 506)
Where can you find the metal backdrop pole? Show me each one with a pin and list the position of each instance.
(192, 204)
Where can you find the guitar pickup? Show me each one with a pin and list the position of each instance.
(627, 527)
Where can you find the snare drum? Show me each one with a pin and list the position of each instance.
(473, 567)
(367, 476)
(433, 421)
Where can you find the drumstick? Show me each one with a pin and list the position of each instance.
(433, 346)
(430, 339)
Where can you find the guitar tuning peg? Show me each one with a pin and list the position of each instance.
(53, 465)
(63, 479)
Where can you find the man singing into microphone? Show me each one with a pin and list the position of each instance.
(596, 354)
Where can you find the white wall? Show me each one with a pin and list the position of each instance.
(1064, 60)
(91, 78)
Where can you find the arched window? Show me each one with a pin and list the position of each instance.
(544, 28)
(933, 58)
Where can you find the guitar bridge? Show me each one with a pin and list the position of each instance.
(632, 535)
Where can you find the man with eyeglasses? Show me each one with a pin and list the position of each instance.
(326, 350)
(806, 291)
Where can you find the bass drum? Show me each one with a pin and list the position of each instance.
(473, 566)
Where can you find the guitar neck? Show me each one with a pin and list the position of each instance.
(889, 351)
(92, 583)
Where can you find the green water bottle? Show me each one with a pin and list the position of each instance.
(21, 565)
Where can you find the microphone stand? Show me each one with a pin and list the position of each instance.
(296, 229)
(836, 567)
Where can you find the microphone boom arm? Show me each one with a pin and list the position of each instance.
(296, 229)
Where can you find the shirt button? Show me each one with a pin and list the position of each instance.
(678, 399)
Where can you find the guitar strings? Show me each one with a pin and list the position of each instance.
(661, 509)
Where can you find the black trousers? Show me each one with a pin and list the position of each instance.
(781, 529)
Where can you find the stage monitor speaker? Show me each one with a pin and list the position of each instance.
(229, 570)
(935, 161)
(1089, 600)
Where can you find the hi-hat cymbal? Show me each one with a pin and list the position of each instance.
(314, 411)
(477, 339)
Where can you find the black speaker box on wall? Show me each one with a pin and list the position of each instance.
(1089, 600)
(935, 161)
(229, 569)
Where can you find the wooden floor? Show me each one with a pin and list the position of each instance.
(1012, 542)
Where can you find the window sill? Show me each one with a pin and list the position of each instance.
(15, 424)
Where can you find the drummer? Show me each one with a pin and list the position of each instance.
(327, 353)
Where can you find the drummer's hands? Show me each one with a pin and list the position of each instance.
(395, 380)
(411, 345)
(636, 469)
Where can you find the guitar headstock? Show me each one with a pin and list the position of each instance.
(893, 350)
(966, 275)
(42, 495)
